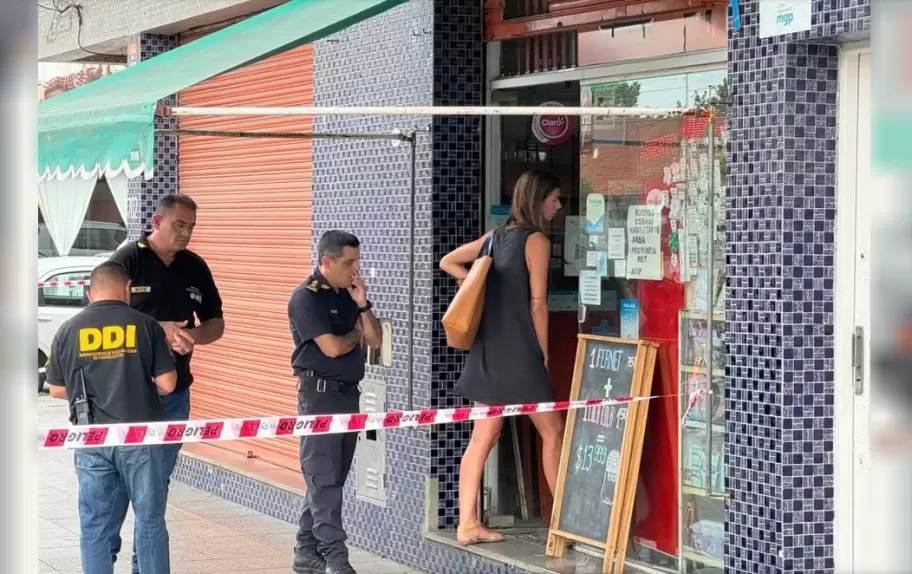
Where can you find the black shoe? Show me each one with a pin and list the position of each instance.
(339, 568)
(308, 562)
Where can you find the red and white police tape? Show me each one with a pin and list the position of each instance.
(692, 403)
(278, 427)
(77, 283)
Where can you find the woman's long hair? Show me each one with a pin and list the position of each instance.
(532, 187)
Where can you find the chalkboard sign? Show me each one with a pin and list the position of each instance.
(602, 445)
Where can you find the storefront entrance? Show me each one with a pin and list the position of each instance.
(857, 546)
(638, 253)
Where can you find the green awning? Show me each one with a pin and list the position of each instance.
(107, 126)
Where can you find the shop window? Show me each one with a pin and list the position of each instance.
(652, 220)
(102, 231)
(638, 252)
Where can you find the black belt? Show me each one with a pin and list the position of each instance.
(322, 383)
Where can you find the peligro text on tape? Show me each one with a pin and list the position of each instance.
(136, 434)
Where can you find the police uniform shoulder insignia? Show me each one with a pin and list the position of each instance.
(315, 284)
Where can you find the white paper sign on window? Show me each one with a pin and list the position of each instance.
(590, 287)
(574, 257)
(644, 242)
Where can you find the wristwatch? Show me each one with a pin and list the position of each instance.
(366, 308)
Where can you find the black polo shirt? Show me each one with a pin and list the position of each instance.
(317, 309)
(120, 351)
(172, 292)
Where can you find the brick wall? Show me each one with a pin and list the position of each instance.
(648, 146)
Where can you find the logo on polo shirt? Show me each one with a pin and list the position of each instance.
(195, 294)
(108, 342)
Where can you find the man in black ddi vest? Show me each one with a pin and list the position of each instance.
(112, 363)
(330, 318)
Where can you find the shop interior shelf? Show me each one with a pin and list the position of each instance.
(717, 373)
(696, 556)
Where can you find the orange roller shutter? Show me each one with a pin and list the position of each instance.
(254, 230)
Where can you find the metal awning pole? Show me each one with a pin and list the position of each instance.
(283, 135)
(429, 111)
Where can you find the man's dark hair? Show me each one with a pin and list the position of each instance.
(333, 243)
(169, 201)
(108, 275)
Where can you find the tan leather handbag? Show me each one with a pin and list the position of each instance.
(461, 320)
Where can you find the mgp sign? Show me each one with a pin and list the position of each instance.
(552, 129)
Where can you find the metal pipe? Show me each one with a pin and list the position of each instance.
(426, 111)
(283, 135)
(413, 140)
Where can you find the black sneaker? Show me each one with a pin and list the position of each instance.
(308, 562)
(339, 568)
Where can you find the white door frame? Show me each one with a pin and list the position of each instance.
(846, 402)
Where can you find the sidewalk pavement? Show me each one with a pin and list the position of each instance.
(208, 534)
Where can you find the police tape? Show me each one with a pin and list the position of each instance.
(137, 434)
(692, 400)
(77, 283)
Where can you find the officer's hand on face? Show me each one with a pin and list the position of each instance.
(178, 337)
(357, 290)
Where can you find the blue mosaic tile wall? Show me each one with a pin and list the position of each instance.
(143, 195)
(422, 53)
(781, 209)
(364, 187)
(457, 206)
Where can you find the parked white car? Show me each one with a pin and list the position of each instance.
(92, 239)
(60, 296)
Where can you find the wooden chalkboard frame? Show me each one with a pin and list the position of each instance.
(631, 453)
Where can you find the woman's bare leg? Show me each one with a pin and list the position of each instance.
(550, 426)
(485, 434)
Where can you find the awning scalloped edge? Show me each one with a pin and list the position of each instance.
(81, 172)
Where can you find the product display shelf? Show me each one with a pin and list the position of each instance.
(703, 496)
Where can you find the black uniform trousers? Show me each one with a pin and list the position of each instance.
(325, 462)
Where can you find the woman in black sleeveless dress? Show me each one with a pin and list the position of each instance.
(508, 363)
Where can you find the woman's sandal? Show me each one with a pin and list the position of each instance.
(475, 534)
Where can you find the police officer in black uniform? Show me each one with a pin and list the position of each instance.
(112, 363)
(174, 286)
(330, 319)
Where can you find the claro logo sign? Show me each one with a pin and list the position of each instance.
(552, 129)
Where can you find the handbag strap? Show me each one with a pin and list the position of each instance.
(487, 248)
